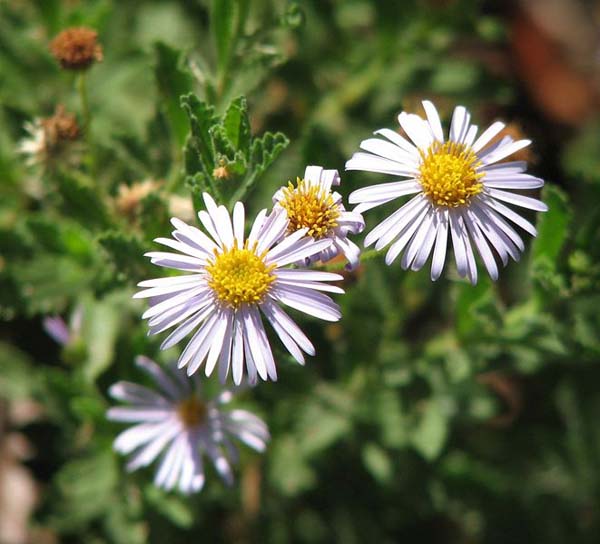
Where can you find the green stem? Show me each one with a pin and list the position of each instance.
(83, 97)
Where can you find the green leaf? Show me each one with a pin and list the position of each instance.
(17, 379)
(81, 201)
(81, 498)
(101, 325)
(173, 81)
(288, 468)
(237, 124)
(153, 214)
(552, 226)
(429, 436)
(176, 510)
(223, 22)
(201, 117)
(377, 462)
(476, 309)
(127, 254)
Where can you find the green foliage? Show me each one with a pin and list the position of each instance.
(221, 156)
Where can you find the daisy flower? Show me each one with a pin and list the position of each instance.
(312, 205)
(177, 422)
(231, 280)
(460, 188)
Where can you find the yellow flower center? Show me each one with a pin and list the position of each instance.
(448, 174)
(311, 207)
(191, 411)
(239, 276)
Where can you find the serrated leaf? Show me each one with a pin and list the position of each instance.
(201, 117)
(476, 309)
(237, 124)
(221, 143)
(173, 80)
(266, 149)
(81, 201)
(153, 215)
(127, 254)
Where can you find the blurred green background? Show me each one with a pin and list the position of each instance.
(440, 413)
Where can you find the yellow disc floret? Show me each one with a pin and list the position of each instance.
(309, 206)
(191, 411)
(448, 174)
(239, 276)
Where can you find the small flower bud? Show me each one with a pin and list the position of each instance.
(221, 172)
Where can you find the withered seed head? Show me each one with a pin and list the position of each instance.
(76, 48)
(61, 127)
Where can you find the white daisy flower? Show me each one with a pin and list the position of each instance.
(232, 280)
(460, 187)
(312, 205)
(176, 420)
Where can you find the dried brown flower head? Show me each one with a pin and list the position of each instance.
(49, 137)
(76, 48)
(60, 128)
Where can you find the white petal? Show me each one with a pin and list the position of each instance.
(275, 313)
(515, 182)
(400, 141)
(459, 234)
(237, 352)
(488, 135)
(372, 163)
(519, 200)
(309, 302)
(418, 240)
(272, 230)
(416, 129)
(238, 223)
(482, 247)
(256, 226)
(441, 242)
(387, 150)
(159, 376)
(299, 274)
(504, 151)
(301, 251)
(387, 224)
(434, 120)
(384, 191)
(511, 215)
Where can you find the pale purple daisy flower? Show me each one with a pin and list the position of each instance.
(178, 423)
(312, 205)
(231, 281)
(460, 186)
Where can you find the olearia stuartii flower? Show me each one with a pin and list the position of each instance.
(231, 280)
(460, 189)
(177, 422)
(311, 204)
